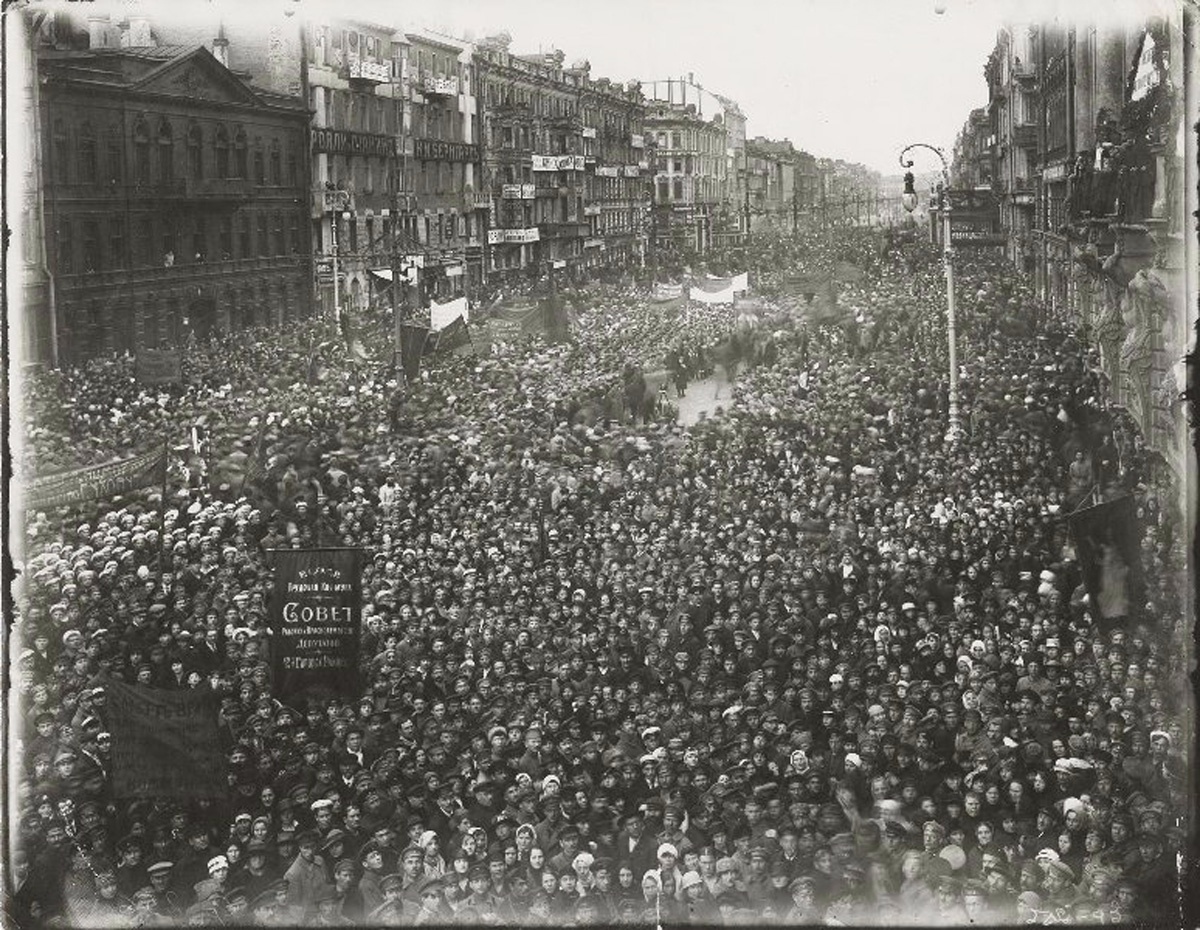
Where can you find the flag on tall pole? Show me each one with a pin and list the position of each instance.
(412, 347)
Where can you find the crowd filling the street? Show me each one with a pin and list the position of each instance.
(806, 660)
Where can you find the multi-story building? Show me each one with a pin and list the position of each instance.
(617, 166)
(691, 170)
(362, 204)
(533, 161)
(1088, 165)
(1013, 113)
(735, 223)
(973, 152)
(451, 208)
(175, 192)
(724, 222)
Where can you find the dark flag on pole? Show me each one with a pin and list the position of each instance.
(1108, 540)
(412, 347)
(453, 336)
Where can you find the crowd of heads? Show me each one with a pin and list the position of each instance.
(808, 660)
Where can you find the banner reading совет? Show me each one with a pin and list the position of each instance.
(316, 617)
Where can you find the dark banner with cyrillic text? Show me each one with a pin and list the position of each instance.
(164, 743)
(316, 617)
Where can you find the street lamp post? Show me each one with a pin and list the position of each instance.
(909, 199)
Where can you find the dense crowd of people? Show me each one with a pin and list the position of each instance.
(806, 661)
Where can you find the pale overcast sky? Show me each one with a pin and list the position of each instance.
(851, 79)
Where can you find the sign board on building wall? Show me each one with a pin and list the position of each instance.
(438, 150)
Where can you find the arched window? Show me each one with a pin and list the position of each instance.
(141, 152)
(221, 148)
(195, 144)
(239, 155)
(166, 152)
(276, 164)
(87, 154)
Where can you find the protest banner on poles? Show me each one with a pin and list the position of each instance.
(97, 481)
(164, 743)
(316, 619)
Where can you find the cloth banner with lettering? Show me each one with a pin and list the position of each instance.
(1108, 541)
(704, 296)
(164, 743)
(442, 315)
(98, 481)
(316, 618)
(666, 292)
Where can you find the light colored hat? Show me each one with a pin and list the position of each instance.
(691, 880)
(217, 862)
(667, 849)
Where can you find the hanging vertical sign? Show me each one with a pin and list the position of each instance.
(316, 619)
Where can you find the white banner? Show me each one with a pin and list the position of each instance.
(718, 297)
(442, 315)
(741, 282)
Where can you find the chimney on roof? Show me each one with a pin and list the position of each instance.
(137, 34)
(97, 30)
(220, 46)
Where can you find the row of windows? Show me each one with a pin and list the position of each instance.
(498, 94)
(372, 234)
(89, 159)
(361, 112)
(95, 244)
(368, 175)
(102, 326)
(691, 140)
(703, 190)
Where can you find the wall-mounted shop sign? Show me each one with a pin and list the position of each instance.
(342, 141)
(439, 150)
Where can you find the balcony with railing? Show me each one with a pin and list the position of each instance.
(371, 72)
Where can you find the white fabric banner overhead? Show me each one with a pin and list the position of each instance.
(741, 282)
(442, 315)
(716, 297)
